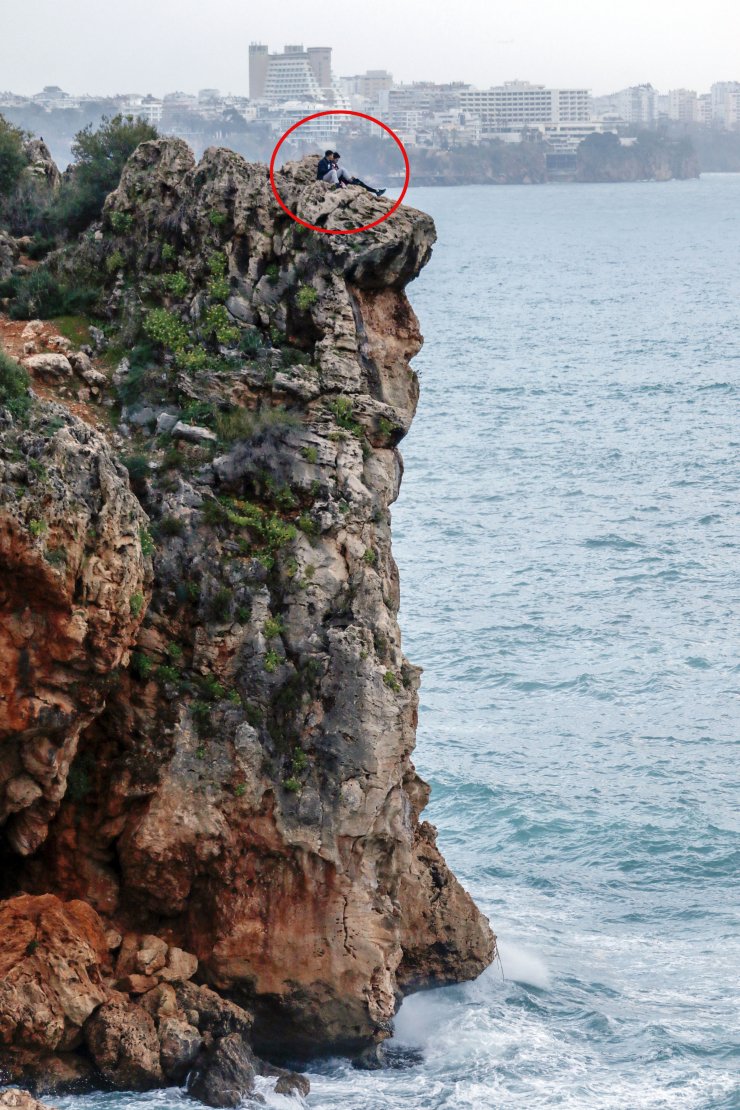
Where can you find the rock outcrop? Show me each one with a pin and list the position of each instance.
(41, 165)
(73, 571)
(14, 1099)
(244, 790)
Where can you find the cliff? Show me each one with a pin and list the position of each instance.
(207, 719)
(651, 157)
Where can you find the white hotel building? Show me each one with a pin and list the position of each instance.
(563, 116)
(517, 105)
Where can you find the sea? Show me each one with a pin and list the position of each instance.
(568, 539)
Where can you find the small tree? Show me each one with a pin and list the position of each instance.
(13, 159)
(99, 158)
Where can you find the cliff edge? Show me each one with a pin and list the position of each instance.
(206, 716)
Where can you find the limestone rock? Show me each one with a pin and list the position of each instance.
(211, 1013)
(179, 1044)
(193, 433)
(152, 955)
(83, 367)
(257, 803)
(32, 330)
(225, 1074)
(51, 960)
(59, 343)
(41, 165)
(181, 965)
(52, 366)
(14, 1099)
(8, 255)
(70, 562)
(123, 1042)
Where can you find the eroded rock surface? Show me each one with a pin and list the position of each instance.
(249, 794)
(73, 583)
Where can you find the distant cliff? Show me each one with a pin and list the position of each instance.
(601, 157)
(650, 157)
(207, 720)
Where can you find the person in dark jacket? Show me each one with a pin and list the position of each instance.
(326, 168)
(334, 175)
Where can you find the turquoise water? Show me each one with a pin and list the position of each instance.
(568, 539)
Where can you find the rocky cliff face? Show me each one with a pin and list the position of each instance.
(651, 157)
(244, 788)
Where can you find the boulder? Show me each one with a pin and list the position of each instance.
(59, 343)
(211, 1013)
(291, 1083)
(52, 955)
(151, 955)
(32, 330)
(53, 366)
(179, 1045)
(166, 422)
(224, 1074)
(180, 965)
(160, 1002)
(137, 984)
(14, 1099)
(122, 1040)
(193, 433)
(83, 368)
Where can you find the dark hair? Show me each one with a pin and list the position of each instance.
(336, 154)
(328, 153)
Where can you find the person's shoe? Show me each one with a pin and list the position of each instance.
(379, 192)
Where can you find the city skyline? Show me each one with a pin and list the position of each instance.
(171, 46)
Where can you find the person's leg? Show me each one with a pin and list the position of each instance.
(344, 176)
(378, 192)
(331, 178)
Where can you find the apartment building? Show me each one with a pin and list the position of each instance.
(368, 85)
(638, 104)
(518, 104)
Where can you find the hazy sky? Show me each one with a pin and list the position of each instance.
(108, 46)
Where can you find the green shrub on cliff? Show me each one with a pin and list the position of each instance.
(217, 323)
(115, 262)
(99, 158)
(306, 297)
(166, 328)
(122, 222)
(218, 288)
(14, 384)
(177, 284)
(12, 157)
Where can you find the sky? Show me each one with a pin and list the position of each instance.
(158, 46)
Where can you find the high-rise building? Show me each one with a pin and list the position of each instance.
(296, 74)
(703, 109)
(638, 104)
(258, 62)
(723, 101)
(682, 105)
(369, 84)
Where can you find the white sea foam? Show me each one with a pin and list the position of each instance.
(521, 965)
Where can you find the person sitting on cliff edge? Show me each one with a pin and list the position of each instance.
(328, 170)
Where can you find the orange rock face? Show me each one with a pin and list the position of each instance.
(70, 565)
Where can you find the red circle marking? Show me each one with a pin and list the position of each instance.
(339, 231)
